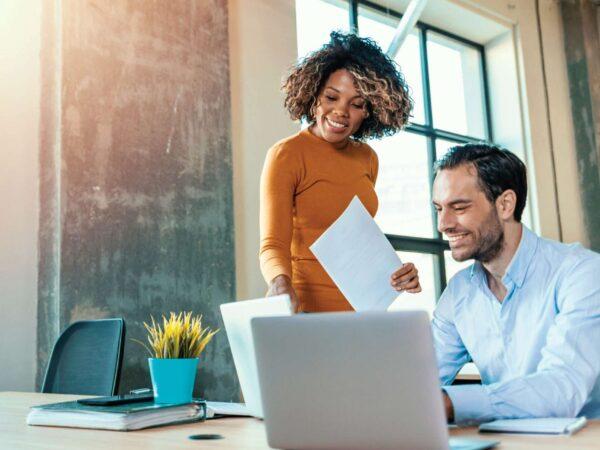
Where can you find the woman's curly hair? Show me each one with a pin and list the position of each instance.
(376, 78)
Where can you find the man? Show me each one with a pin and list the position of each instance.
(527, 312)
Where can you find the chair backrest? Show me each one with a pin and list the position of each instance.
(87, 359)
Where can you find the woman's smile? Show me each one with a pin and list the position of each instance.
(336, 126)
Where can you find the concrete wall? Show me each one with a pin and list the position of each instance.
(137, 174)
(582, 48)
(19, 137)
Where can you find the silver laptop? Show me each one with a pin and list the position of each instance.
(352, 380)
(236, 317)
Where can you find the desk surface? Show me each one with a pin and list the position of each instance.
(239, 433)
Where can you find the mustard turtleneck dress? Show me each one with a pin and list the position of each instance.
(306, 184)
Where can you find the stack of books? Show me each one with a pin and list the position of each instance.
(127, 417)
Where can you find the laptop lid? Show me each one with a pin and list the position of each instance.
(236, 317)
(350, 380)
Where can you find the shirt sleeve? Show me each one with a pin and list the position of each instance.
(279, 179)
(569, 367)
(449, 348)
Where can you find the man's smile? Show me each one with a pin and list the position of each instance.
(457, 239)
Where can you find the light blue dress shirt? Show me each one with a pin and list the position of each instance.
(538, 351)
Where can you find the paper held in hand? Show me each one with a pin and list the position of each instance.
(359, 259)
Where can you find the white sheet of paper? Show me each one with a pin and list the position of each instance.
(359, 259)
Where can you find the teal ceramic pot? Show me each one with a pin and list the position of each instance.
(173, 379)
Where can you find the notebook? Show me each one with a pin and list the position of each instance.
(127, 417)
(550, 425)
(220, 409)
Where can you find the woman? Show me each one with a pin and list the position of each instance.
(348, 91)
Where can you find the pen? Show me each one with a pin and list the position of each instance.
(140, 391)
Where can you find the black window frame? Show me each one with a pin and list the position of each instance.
(437, 245)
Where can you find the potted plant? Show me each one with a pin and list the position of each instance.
(175, 349)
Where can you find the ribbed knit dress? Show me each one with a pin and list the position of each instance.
(306, 184)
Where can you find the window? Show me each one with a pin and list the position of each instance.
(315, 19)
(447, 78)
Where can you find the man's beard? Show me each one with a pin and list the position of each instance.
(490, 242)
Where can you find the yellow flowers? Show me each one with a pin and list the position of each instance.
(181, 336)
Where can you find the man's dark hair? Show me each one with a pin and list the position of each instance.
(497, 170)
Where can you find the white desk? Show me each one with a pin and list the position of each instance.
(238, 433)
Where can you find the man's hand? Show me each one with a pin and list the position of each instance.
(282, 284)
(406, 278)
(448, 407)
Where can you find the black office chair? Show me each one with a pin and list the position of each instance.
(87, 359)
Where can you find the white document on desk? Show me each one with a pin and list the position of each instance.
(359, 259)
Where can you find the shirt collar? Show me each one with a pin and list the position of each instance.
(517, 269)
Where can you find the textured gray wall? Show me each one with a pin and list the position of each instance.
(136, 188)
(582, 49)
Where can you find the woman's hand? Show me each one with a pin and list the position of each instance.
(406, 278)
(282, 284)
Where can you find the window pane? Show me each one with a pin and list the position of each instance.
(455, 74)
(381, 29)
(403, 185)
(442, 146)
(452, 266)
(425, 299)
(315, 19)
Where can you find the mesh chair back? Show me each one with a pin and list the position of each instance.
(87, 359)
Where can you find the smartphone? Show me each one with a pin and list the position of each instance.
(116, 400)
